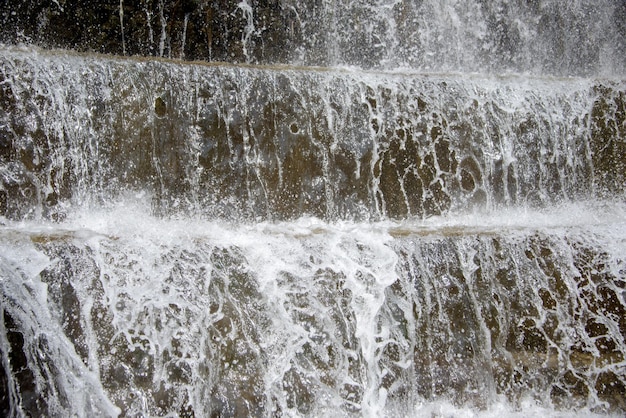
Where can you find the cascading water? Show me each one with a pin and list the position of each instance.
(386, 209)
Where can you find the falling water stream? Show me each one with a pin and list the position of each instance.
(369, 209)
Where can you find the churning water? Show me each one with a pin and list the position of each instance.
(203, 239)
(517, 314)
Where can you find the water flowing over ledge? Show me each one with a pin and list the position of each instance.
(276, 143)
(198, 240)
(518, 312)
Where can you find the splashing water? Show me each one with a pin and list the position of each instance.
(516, 312)
(432, 223)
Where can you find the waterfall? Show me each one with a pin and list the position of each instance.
(368, 208)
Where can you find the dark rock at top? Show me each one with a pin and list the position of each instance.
(586, 38)
(188, 29)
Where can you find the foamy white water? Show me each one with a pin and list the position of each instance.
(410, 209)
(303, 317)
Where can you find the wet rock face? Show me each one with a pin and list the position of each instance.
(190, 319)
(608, 147)
(190, 329)
(261, 143)
(188, 29)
